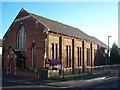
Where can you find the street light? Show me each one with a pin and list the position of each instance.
(108, 55)
(108, 46)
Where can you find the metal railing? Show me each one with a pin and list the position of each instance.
(77, 72)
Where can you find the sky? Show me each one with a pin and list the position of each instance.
(98, 19)
(59, 0)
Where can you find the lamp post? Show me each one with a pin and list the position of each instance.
(108, 55)
(108, 46)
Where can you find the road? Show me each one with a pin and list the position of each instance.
(95, 83)
(107, 83)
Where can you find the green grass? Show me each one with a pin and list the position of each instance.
(72, 76)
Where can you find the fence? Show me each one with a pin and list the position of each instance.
(63, 74)
(78, 72)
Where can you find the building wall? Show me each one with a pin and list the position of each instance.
(67, 41)
(34, 33)
(53, 38)
(87, 47)
(74, 43)
(78, 43)
(43, 44)
(94, 51)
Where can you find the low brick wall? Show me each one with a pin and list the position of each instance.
(27, 73)
(4, 71)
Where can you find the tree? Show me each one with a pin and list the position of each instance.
(114, 54)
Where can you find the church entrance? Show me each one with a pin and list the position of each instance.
(11, 67)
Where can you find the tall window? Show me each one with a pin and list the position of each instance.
(88, 57)
(95, 52)
(79, 55)
(33, 57)
(33, 54)
(56, 48)
(21, 38)
(68, 56)
(53, 50)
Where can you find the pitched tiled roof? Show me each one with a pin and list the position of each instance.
(98, 41)
(0, 42)
(60, 28)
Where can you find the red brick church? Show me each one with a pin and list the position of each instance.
(35, 42)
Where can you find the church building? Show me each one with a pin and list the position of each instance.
(36, 42)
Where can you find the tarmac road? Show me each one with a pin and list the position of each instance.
(110, 82)
(107, 83)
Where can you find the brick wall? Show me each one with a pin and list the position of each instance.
(43, 42)
(55, 40)
(63, 40)
(34, 32)
(78, 43)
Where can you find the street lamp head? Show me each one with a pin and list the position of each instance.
(109, 36)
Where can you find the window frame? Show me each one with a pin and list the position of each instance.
(21, 38)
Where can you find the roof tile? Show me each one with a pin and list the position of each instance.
(60, 28)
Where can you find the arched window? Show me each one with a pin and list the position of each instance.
(33, 55)
(21, 38)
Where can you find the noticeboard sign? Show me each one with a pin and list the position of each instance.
(59, 66)
(53, 64)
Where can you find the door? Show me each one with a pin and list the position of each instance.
(11, 67)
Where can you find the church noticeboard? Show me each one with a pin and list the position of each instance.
(54, 63)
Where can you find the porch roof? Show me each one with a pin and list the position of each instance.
(20, 54)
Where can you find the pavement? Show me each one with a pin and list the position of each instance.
(81, 81)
